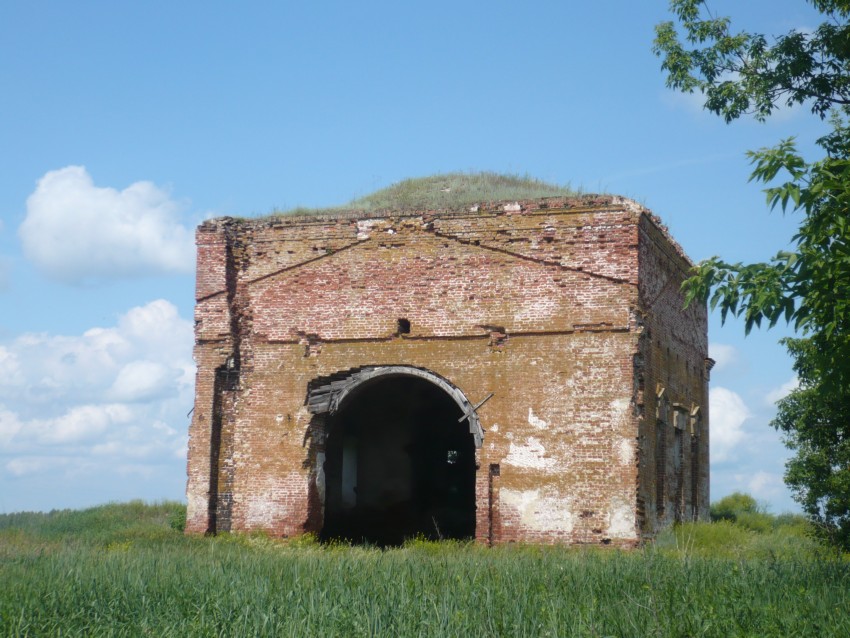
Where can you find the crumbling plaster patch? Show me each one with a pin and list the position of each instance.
(535, 421)
(627, 451)
(264, 506)
(540, 512)
(621, 523)
(530, 455)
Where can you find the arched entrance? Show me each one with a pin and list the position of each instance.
(399, 457)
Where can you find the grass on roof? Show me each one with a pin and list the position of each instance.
(446, 191)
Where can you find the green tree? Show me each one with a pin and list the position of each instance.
(730, 507)
(742, 73)
(814, 422)
(743, 510)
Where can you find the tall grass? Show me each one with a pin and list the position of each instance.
(725, 539)
(125, 581)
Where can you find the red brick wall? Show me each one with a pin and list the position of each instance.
(674, 351)
(563, 310)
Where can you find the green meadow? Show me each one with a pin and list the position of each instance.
(127, 570)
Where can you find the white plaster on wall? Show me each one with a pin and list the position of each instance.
(196, 505)
(541, 513)
(363, 228)
(530, 455)
(535, 421)
(620, 405)
(627, 451)
(263, 507)
(621, 522)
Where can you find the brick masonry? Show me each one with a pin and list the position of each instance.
(567, 310)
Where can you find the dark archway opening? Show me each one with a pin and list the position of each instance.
(399, 465)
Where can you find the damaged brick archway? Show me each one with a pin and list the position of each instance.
(399, 455)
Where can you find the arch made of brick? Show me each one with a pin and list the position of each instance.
(326, 396)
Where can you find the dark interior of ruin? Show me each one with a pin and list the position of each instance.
(398, 465)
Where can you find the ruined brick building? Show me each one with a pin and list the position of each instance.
(520, 371)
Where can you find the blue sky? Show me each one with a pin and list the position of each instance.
(123, 125)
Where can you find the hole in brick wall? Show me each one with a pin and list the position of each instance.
(399, 465)
(403, 326)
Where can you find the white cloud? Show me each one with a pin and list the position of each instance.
(102, 362)
(10, 425)
(765, 485)
(77, 232)
(144, 380)
(728, 414)
(75, 409)
(782, 391)
(10, 366)
(26, 465)
(79, 424)
(724, 355)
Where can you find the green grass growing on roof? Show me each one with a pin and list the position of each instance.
(447, 191)
(451, 190)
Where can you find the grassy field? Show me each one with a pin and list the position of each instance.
(126, 570)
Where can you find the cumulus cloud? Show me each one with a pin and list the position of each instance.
(110, 402)
(77, 232)
(728, 414)
(78, 424)
(10, 425)
(782, 391)
(145, 357)
(143, 380)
